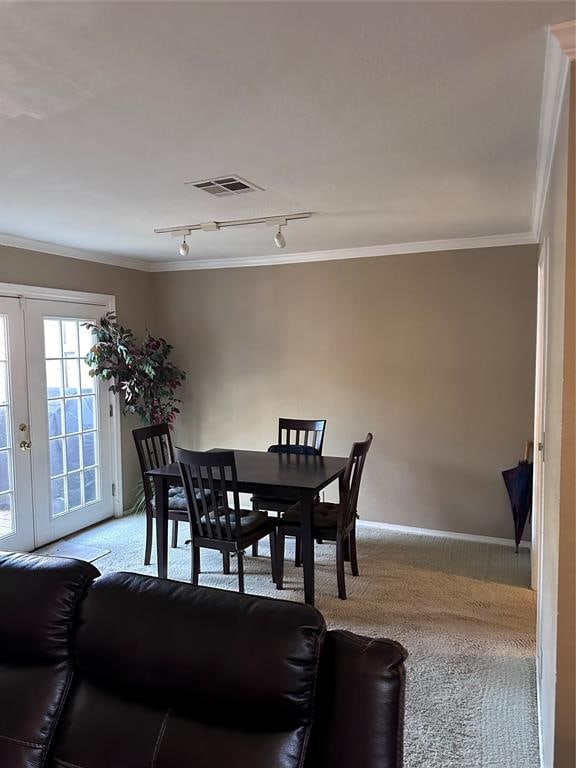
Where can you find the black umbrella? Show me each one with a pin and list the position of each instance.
(519, 486)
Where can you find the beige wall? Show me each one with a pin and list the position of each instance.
(557, 723)
(133, 305)
(432, 352)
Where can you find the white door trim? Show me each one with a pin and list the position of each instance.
(108, 304)
(539, 413)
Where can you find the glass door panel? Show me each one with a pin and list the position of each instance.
(16, 514)
(70, 420)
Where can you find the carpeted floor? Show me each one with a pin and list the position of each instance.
(463, 611)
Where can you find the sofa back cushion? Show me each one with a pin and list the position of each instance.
(38, 601)
(170, 675)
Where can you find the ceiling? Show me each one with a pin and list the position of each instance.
(393, 122)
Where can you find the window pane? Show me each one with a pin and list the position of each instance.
(58, 496)
(54, 378)
(69, 338)
(3, 338)
(89, 412)
(4, 427)
(73, 461)
(89, 448)
(52, 343)
(71, 377)
(73, 415)
(6, 519)
(86, 380)
(3, 382)
(56, 457)
(55, 408)
(87, 340)
(4, 471)
(90, 492)
(74, 490)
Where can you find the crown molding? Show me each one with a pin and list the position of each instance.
(556, 69)
(393, 249)
(565, 33)
(128, 262)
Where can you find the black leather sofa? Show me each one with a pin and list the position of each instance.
(128, 671)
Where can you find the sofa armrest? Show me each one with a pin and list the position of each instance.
(359, 718)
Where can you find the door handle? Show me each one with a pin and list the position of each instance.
(25, 445)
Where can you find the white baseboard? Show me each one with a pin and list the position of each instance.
(443, 534)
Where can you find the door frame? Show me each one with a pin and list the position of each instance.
(108, 304)
(539, 414)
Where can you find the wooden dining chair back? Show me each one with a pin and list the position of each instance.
(350, 485)
(308, 433)
(295, 436)
(217, 520)
(331, 521)
(154, 450)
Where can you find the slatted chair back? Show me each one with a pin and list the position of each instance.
(211, 515)
(350, 486)
(154, 449)
(305, 433)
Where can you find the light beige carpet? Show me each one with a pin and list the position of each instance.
(463, 611)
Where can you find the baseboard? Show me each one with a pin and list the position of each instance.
(443, 534)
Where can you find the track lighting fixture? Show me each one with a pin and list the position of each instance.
(213, 226)
(279, 239)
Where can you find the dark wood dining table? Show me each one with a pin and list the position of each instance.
(282, 475)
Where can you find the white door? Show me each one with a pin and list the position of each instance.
(55, 424)
(70, 424)
(16, 513)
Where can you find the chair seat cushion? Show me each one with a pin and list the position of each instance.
(249, 520)
(177, 498)
(295, 450)
(325, 515)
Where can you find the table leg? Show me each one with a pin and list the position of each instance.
(161, 499)
(308, 547)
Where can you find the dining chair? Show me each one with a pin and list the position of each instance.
(296, 436)
(154, 449)
(331, 521)
(210, 481)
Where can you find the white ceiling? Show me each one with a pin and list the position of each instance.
(392, 121)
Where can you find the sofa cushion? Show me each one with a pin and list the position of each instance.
(167, 669)
(38, 600)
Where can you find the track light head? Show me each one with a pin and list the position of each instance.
(184, 247)
(279, 239)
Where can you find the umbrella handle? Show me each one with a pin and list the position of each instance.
(528, 448)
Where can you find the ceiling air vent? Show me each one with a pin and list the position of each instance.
(222, 186)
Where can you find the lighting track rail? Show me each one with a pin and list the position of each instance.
(213, 226)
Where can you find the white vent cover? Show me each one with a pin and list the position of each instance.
(222, 186)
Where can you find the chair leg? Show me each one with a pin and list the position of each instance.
(255, 508)
(298, 552)
(340, 567)
(280, 542)
(226, 563)
(148, 547)
(353, 552)
(241, 572)
(274, 555)
(174, 533)
(195, 555)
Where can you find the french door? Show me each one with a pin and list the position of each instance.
(55, 424)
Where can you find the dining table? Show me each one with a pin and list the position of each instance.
(283, 475)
